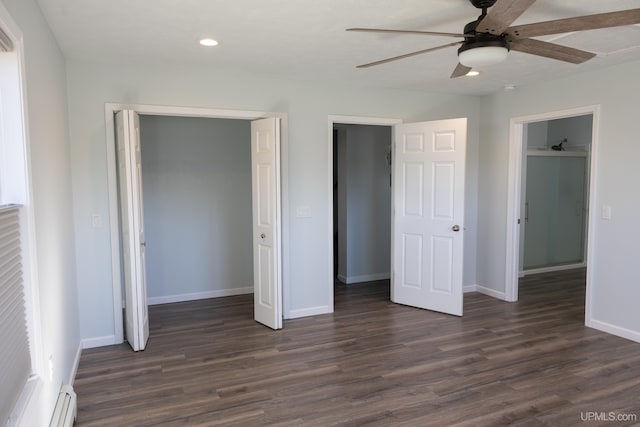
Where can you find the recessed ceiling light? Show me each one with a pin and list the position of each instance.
(472, 73)
(208, 42)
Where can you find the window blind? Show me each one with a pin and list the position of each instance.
(15, 359)
(6, 45)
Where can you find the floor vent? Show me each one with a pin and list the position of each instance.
(64, 415)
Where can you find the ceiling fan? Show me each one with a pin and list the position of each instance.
(489, 39)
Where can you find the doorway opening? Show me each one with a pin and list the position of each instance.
(427, 215)
(196, 186)
(348, 135)
(162, 185)
(555, 190)
(362, 205)
(551, 173)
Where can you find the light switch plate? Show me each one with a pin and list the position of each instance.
(606, 212)
(303, 212)
(96, 221)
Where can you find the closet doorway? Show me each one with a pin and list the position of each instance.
(550, 194)
(196, 181)
(169, 183)
(362, 203)
(555, 189)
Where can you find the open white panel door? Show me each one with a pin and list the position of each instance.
(267, 270)
(132, 228)
(428, 207)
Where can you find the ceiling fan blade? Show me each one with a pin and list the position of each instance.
(551, 50)
(502, 14)
(580, 23)
(460, 70)
(428, 33)
(408, 55)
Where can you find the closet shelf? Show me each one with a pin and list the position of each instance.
(552, 153)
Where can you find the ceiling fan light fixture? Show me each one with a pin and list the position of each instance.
(482, 56)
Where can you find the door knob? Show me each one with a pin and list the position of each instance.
(456, 228)
(262, 236)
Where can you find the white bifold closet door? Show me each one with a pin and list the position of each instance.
(132, 228)
(267, 244)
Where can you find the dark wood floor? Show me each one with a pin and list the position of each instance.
(530, 363)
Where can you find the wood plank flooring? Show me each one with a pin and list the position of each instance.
(372, 362)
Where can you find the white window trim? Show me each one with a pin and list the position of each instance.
(28, 404)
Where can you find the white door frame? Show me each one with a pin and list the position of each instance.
(345, 120)
(514, 197)
(176, 111)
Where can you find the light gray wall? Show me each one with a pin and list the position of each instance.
(537, 134)
(196, 181)
(308, 105)
(365, 181)
(616, 242)
(52, 202)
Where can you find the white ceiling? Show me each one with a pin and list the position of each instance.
(305, 39)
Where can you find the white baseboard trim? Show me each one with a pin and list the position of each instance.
(491, 292)
(614, 330)
(199, 295)
(98, 341)
(364, 278)
(485, 291)
(311, 311)
(552, 269)
(74, 367)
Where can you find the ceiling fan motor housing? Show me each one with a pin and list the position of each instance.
(481, 49)
(483, 4)
(480, 39)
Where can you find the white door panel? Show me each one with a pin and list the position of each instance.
(428, 203)
(267, 271)
(132, 228)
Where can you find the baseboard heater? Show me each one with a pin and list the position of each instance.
(66, 410)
